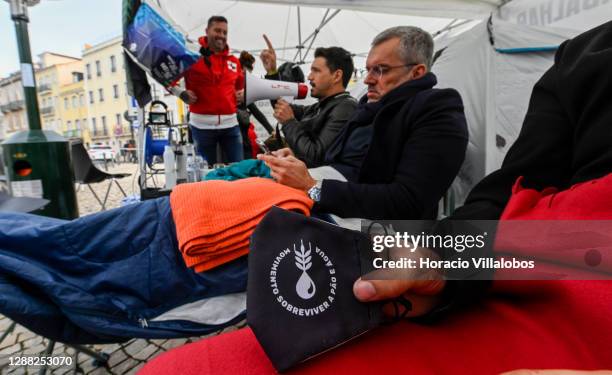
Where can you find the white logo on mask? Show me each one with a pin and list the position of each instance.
(305, 286)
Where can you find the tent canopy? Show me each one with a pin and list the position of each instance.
(350, 29)
(494, 66)
(466, 9)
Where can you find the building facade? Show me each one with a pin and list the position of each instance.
(74, 109)
(55, 72)
(12, 106)
(106, 93)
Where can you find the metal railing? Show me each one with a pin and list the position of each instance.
(74, 133)
(99, 134)
(44, 88)
(16, 105)
(49, 110)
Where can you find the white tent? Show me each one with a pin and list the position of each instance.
(573, 14)
(466, 9)
(494, 67)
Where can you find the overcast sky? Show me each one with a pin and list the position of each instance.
(61, 26)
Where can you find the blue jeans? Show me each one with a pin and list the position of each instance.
(230, 139)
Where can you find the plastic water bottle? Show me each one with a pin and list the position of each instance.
(169, 167)
(192, 166)
(192, 171)
(201, 166)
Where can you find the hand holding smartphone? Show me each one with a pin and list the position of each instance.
(263, 147)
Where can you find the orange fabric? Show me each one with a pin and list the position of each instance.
(215, 219)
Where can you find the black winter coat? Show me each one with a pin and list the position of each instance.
(418, 145)
(316, 127)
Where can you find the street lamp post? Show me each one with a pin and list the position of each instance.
(19, 15)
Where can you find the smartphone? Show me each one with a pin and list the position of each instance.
(263, 147)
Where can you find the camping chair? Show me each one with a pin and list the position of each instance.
(85, 172)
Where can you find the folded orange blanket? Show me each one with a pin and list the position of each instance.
(215, 219)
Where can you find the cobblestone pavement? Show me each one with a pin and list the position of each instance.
(125, 358)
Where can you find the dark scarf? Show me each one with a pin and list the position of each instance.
(366, 112)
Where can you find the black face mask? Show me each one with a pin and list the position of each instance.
(300, 298)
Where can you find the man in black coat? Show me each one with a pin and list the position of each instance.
(402, 148)
(310, 130)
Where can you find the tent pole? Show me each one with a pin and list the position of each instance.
(450, 26)
(321, 26)
(299, 17)
(324, 22)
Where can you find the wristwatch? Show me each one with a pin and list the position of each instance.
(315, 192)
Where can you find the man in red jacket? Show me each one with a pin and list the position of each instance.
(213, 86)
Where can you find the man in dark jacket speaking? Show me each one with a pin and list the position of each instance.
(403, 146)
(310, 130)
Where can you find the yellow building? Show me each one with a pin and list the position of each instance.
(12, 106)
(106, 93)
(74, 109)
(55, 72)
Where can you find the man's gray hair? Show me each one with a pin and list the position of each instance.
(416, 45)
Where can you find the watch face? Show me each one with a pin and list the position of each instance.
(315, 193)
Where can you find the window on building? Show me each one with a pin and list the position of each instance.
(104, 128)
(101, 94)
(65, 103)
(118, 119)
(81, 100)
(94, 129)
(98, 69)
(74, 102)
(116, 91)
(77, 124)
(68, 125)
(91, 97)
(113, 62)
(77, 77)
(88, 70)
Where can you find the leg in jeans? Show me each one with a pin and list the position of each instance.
(206, 143)
(246, 142)
(231, 143)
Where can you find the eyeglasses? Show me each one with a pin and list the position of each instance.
(377, 71)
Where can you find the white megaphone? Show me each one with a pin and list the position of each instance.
(256, 88)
